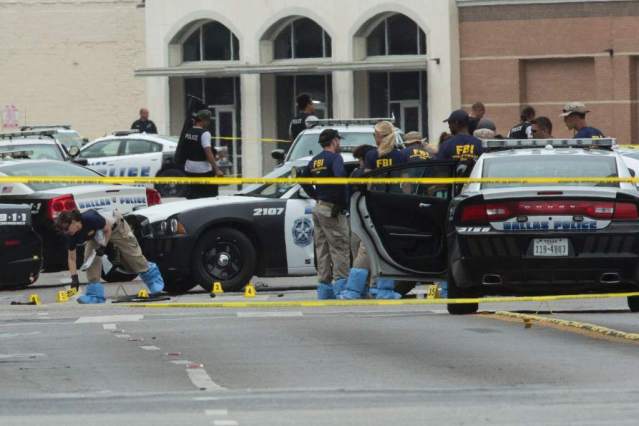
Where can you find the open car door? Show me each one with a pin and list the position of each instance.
(404, 226)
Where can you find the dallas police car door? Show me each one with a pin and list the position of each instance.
(298, 233)
(404, 226)
(103, 156)
(141, 158)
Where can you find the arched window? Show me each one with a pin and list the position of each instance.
(396, 35)
(302, 38)
(212, 41)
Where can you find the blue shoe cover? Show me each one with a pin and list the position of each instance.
(325, 291)
(94, 294)
(339, 286)
(356, 285)
(386, 289)
(153, 279)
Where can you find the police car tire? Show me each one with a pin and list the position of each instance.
(244, 246)
(404, 287)
(455, 292)
(633, 303)
(171, 190)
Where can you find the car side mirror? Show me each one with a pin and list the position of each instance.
(462, 170)
(74, 151)
(632, 172)
(278, 155)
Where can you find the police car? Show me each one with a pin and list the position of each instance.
(508, 238)
(355, 132)
(265, 230)
(36, 145)
(48, 200)
(134, 154)
(62, 133)
(20, 247)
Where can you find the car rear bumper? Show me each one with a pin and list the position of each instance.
(21, 264)
(504, 263)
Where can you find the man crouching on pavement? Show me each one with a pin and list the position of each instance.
(95, 231)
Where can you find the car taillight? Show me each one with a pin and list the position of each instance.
(625, 211)
(60, 204)
(152, 197)
(484, 213)
(11, 243)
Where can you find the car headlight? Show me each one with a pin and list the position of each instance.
(172, 226)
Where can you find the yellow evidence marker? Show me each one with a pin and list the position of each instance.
(433, 292)
(143, 294)
(249, 290)
(34, 299)
(63, 296)
(217, 288)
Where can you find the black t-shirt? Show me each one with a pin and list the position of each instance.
(144, 126)
(461, 148)
(374, 161)
(473, 122)
(415, 153)
(92, 221)
(324, 165)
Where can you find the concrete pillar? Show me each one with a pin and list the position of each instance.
(158, 102)
(251, 126)
(343, 103)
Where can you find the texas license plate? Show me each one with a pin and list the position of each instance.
(550, 247)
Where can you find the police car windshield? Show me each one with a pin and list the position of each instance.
(48, 168)
(36, 152)
(69, 139)
(275, 190)
(308, 144)
(633, 154)
(549, 166)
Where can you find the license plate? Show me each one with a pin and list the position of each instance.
(550, 247)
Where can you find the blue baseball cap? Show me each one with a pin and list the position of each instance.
(458, 116)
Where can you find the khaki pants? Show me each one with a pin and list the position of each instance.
(125, 243)
(360, 256)
(332, 244)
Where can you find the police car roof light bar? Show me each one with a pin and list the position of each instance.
(125, 132)
(505, 144)
(14, 155)
(25, 134)
(46, 127)
(348, 121)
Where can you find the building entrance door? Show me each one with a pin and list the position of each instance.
(225, 139)
(407, 115)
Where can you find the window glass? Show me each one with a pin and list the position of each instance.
(191, 47)
(282, 44)
(402, 35)
(48, 168)
(217, 42)
(308, 37)
(376, 41)
(404, 85)
(236, 48)
(219, 91)
(550, 166)
(443, 191)
(275, 190)
(36, 152)
(422, 42)
(308, 143)
(138, 146)
(101, 149)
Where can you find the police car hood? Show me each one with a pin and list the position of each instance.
(164, 211)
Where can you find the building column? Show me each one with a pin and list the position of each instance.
(251, 125)
(159, 103)
(343, 100)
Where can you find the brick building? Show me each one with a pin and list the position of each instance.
(545, 53)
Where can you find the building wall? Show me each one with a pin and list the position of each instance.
(549, 54)
(341, 19)
(72, 62)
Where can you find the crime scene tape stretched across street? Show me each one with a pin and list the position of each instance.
(123, 180)
(375, 302)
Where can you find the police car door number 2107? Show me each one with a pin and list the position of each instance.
(268, 211)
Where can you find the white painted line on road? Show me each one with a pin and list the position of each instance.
(216, 412)
(109, 319)
(206, 398)
(22, 356)
(181, 362)
(42, 314)
(109, 326)
(12, 335)
(201, 379)
(225, 423)
(122, 336)
(282, 314)
(150, 348)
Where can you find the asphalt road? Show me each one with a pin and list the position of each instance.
(66, 364)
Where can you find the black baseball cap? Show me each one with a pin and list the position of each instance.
(328, 135)
(458, 116)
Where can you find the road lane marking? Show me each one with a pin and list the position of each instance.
(150, 348)
(225, 423)
(109, 319)
(206, 398)
(282, 314)
(181, 362)
(122, 336)
(12, 335)
(579, 327)
(22, 356)
(201, 379)
(109, 326)
(216, 412)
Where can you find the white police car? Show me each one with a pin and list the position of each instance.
(355, 132)
(48, 200)
(505, 239)
(133, 154)
(265, 230)
(62, 133)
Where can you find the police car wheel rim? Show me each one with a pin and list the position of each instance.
(222, 261)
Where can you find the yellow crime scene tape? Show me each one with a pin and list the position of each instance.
(122, 180)
(374, 302)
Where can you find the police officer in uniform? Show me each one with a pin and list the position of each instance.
(332, 231)
(200, 157)
(523, 130)
(94, 231)
(143, 124)
(304, 118)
